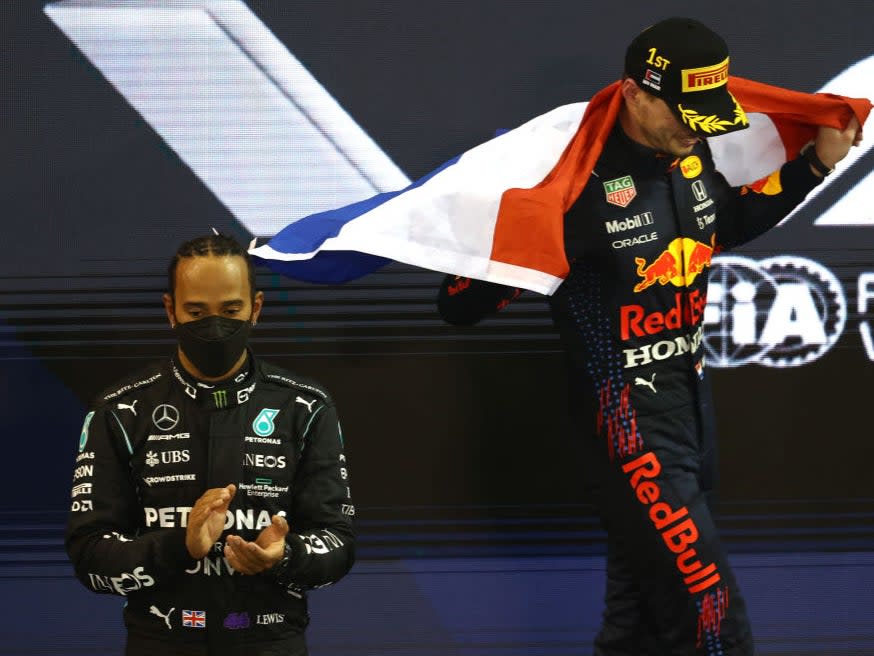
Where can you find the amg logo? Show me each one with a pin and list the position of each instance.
(636, 221)
(171, 436)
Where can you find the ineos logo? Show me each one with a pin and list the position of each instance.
(165, 417)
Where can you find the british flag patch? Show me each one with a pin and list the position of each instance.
(195, 619)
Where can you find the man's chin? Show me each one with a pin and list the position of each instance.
(683, 150)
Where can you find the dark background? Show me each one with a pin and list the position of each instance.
(457, 439)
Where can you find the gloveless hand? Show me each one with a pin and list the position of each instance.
(262, 554)
(832, 145)
(206, 521)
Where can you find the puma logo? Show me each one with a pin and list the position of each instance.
(308, 405)
(154, 611)
(647, 383)
(118, 536)
(125, 406)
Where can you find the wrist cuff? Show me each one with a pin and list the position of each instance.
(813, 159)
(282, 565)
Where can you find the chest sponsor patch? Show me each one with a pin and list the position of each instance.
(620, 191)
(263, 487)
(629, 223)
(699, 191)
(691, 167)
(679, 264)
(637, 240)
(263, 424)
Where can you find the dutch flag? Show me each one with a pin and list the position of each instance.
(496, 212)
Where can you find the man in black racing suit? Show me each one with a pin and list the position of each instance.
(191, 472)
(640, 239)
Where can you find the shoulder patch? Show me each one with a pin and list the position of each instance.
(287, 379)
(143, 378)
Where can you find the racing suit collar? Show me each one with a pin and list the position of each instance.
(624, 149)
(219, 395)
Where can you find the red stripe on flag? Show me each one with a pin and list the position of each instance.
(796, 115)
(529, 231)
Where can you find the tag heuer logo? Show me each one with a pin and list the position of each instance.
(620, 191)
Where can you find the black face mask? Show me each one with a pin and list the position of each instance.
(213, 344)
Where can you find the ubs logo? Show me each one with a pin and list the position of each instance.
(167, 457)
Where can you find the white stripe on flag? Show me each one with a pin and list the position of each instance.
(448, 223)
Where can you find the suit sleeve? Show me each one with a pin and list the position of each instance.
(321, 541)
(102, 537)
(751, 210)
(466, 301)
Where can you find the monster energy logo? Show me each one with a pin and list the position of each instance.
(220, 397)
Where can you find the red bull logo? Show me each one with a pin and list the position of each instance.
(770, 185)
(679, 264)
(676, 526)
(687, 311)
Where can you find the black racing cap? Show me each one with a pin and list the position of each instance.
(685, 63)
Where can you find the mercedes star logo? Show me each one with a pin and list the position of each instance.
(165, 417)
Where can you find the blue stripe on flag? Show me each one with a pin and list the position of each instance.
(309, 233)
(327, 267)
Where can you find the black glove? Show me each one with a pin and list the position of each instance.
(465, 301)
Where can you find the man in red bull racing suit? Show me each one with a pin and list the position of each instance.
(640, 239)
(211, 489)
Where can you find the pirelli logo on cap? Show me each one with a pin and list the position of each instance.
(708, 77)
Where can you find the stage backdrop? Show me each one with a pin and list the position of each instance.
(133, 126)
